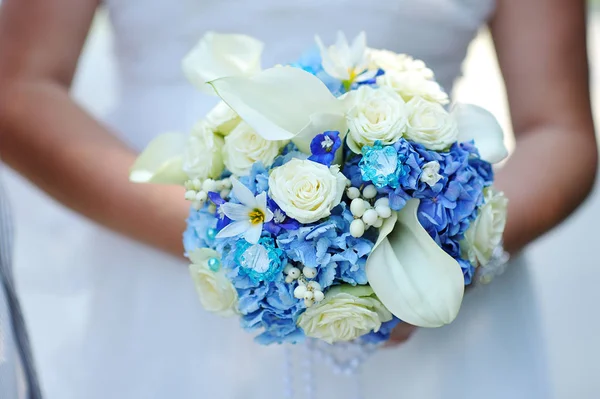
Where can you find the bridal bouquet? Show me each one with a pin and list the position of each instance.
(332, 197)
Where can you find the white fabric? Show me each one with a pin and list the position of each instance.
(145, 335)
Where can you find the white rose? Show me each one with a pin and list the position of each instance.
(413, 83)
(244, 147)
(390, 61)
(222, 119)
(306, 190)
(345, 314)
(375, 114)
(430, 124)
(485, 232)
(217, 293)
(202, 158)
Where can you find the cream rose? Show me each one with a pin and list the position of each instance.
(215, 291)
(485, 232)
(222, 119)
(430, 124)
(244, 147)
(390, 61)
(306, 190)
(374, 115)
(345, 314)
(202, 158)
(413, 83)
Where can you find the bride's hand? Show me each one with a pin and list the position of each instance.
(401, 334)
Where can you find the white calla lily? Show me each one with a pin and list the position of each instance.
(411, 275)
(478, 124)
(162, 161)
(219, 55)
(283, 103)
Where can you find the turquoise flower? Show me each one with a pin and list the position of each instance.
(381, 165)
(260, 262)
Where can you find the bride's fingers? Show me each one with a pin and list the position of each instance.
(401, 333)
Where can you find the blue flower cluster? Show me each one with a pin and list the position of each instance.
(447, 207)
(330, 248)
(266, 303)
(201, 230)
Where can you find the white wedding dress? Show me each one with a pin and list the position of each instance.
(145, 335)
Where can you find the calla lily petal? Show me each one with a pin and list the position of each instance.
(411, 275)
(219, 55)
(478, 124)
(162, 161)
(279, 103)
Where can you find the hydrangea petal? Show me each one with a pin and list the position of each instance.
(219, 55)
(162, 161)
(411, 275)
(479, 125)
(281, 103)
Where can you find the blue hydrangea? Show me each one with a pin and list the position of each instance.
(257, 180)
(266, 305)
(351, 168)
(467, 268)
(329, 247)
(289, 152)
(383, 334)
(200, 231)
(447, 211)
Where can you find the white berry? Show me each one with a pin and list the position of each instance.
(357, 228)
(309, 272)
(225, 193)
(201, 196)
(378, 223)
(369, 192)
(294, 273)
(299, 292)
(209, 185)
(383, 211)
(289, 279)
(309, 302)
(308, 295)
(212, 208)
(314, 286)
(197, 184)
(370, 217)
(353, 193)
(319, 296)
(357, 207)
(190, 195)
(219, 186)
(287, 268)
(383, 201)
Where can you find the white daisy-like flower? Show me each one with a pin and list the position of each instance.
(248, 216)
(348, 63)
